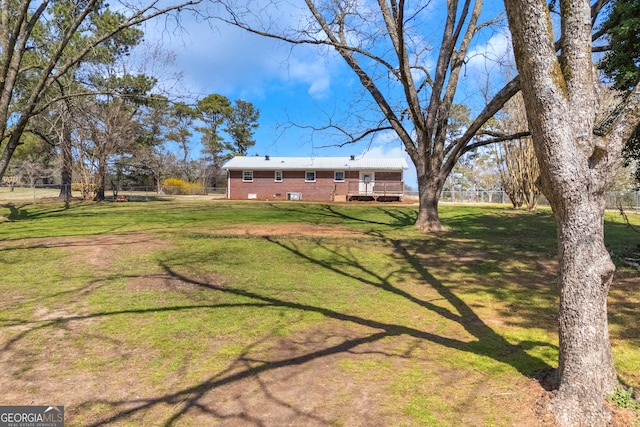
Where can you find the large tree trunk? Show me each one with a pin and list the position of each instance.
(586, 370)
(429, 190)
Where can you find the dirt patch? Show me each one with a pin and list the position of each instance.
(294, 381)
(98, 250)
(102, 250)
(293, 229)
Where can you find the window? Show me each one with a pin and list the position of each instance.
(338, 176)
(310, 176)
(277, 176)
(247, 176)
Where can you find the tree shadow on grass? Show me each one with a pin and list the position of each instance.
(17, 213)
(489, 343)
(21, 213)
(189, 399)
(399, 216)
(245, 366)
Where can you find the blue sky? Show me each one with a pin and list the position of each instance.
(299, 84)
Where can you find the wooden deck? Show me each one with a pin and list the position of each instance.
(383, 191)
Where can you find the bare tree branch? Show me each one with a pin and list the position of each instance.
(455, 150)
(496, 138)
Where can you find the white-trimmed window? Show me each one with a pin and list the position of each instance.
(247, 176)
(338, 176)
(310, 176)
(277, 176)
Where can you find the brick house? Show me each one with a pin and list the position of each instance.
(321, 179)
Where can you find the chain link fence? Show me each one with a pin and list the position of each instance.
(628, 200)
(474, 197)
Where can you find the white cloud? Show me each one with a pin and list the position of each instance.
(313, 72)
(228, 60)
(385, 144)
(497, 50)
(387, 138)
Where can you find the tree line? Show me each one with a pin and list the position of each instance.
(118, 137)
(72, 108)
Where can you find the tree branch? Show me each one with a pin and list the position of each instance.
(596, 8)
(334, 43)
(497, 138)
(351, 138)
(455, 150)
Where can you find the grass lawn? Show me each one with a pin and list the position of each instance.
(192, 313)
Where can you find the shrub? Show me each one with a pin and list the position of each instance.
(624, 398)
(178, 186)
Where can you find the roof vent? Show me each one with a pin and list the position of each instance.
(353, 157)
(266, 157)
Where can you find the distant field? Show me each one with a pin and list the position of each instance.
(170, 312)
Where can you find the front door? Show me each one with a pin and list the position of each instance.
(366, 182)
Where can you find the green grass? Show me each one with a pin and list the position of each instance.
(53, 220)
(172, 307)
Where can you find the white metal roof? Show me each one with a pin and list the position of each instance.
(315, 163)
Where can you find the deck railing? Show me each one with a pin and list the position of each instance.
(376, 189)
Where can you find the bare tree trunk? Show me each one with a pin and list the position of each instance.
(517, 162)
(66, 175)
(429, 191)
(101, 174)
(586, 370)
